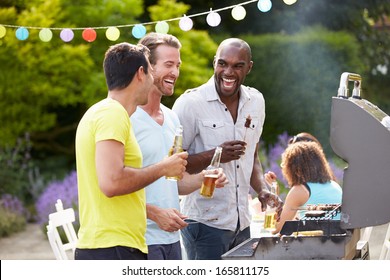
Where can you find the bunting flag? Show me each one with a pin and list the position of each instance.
(112, 33)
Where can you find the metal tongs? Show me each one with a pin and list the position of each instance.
(192, 221)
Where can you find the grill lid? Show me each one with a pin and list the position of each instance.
(360, 135)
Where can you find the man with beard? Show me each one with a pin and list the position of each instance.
(223, 112)
(154, 126)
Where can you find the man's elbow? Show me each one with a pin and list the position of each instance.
(108, 188)
(108, 192)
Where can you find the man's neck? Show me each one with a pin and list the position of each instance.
(124, 100)
(153, 107)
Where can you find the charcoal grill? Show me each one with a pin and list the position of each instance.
(360, 135)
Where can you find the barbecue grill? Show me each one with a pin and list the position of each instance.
(360, 135)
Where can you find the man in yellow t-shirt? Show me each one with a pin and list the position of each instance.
(110, 178)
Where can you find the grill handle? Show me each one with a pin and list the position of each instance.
(343, 88)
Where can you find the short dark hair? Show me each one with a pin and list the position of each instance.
(122, 61)
(153, 40)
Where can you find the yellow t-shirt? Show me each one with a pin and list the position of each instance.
(120, 220)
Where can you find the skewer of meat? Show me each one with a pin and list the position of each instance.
(247, 125)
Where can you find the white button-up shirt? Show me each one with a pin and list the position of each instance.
(207, 123)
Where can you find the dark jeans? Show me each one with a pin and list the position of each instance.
(207, 243)
(165, 251)
(111, 253)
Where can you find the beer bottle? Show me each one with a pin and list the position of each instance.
(270, 212)
(177, 147)
(208, 185)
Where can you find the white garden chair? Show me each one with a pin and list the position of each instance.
(62, 219)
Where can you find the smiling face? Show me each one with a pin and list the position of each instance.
(231, 65)
(166, 69)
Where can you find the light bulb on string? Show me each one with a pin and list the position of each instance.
(3, 31)
(45, 35)
(238, 12)
(289, 2)
(112, 33)
(162, 27)
(186, 23)
(22, 33)
(213, 19)
(89, 35)
(264, 5)
(138, 31)
(66, 35)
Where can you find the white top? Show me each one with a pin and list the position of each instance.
(207, 123)
(155, 141)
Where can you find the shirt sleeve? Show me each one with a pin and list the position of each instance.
(112, 124)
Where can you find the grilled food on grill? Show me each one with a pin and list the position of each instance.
(315, 213)
(322, 207)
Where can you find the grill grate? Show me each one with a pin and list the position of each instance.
(329, 215)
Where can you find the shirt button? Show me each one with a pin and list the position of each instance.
(226, 109)
(238, 166)
(214, 125)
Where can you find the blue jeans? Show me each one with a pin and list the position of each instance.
(208, 243)
(165, 251)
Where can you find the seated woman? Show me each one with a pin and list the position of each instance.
(310, 178)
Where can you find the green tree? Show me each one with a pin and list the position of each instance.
(36, 77)
(45, 87)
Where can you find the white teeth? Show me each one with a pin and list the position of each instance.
(228, 83)
(169, 81)
(228, 80)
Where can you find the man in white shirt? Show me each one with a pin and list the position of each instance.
(223, 112)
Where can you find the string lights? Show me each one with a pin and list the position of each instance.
(112, 33)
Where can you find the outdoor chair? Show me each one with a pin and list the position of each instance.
(362, 246)
(64, 219)
(385, 252)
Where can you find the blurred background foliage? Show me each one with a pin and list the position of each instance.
(299, 53)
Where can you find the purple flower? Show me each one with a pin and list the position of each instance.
(12, 204)
(66, 190)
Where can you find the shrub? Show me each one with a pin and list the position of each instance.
(12, 215)
(15, 162)
(66, 190)
(20, 175)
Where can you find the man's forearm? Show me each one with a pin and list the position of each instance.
(151, 211)
(198, 162)
(190, 183)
